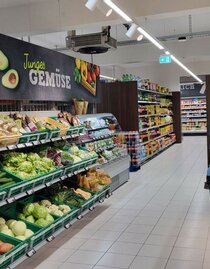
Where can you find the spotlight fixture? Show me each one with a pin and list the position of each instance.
(91, 4)
(132, 32)
(167, 52)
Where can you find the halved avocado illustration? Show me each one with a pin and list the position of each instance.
(4, 63)
(10, 79)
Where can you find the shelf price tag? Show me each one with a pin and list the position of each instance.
(29, 144)
(68, 225)
(29, 192)
(11, 147)
(11, 200)
(31, 252)
(20, 146)
(48, 184)
(50, 238)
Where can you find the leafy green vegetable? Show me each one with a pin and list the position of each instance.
(40, 212)
(28, 209)
(41, 222)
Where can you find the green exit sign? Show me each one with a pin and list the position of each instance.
(165, 59)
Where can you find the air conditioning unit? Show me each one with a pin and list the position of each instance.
(91, 43)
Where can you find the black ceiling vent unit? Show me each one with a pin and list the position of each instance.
(94, 43)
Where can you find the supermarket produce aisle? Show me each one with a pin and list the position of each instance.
(160, 219)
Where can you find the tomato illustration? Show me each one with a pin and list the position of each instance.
(93, 76)
(89, 78)
(97, 70)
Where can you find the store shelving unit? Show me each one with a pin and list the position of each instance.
(155, 122)
(194, 120)
(124, 100)
(116, 167)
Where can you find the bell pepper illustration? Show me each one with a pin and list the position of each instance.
(78, 63)
(84, 70)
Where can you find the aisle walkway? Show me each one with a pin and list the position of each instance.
(160, 219)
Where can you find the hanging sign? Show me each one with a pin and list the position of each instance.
(30, 72)
(165, 59)
(192, 89)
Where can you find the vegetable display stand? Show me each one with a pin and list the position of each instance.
(54, 133)
(9, 140)
(24, 185)
(89, 204)
(15, 253)
(33, 136)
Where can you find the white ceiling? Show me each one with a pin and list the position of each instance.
(47, 23)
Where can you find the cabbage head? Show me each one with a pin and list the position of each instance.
(28, 209)
(41, 222)
(40, 212)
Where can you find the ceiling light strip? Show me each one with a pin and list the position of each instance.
(186, 69)
(150, 38)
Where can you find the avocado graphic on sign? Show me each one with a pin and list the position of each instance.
(10, 79)
(4, 63)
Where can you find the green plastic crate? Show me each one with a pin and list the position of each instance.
(40, 233)
(15, 253)
(33, 136)
(73, 168)
(54, 133)
(29, 184)
(11, 211)
(4, 191)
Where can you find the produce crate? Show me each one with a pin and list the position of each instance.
(9, 140)
(75, 130)
(33, 136)
(11, 211)
(29, 184)
(4, 190)
(65, 220)
(45, 232)
(103, 193)
(54, 133)
(15, 253)
(88, 204)
(62, 127)
(73, 168)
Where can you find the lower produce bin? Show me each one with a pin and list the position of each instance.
(15, 253)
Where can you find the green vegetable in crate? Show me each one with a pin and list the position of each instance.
(8, 232)
(45, 203)
(28, 209)
(30, 219)
(19, 228)
(11, 222)
(74, 150)
(49, 219)
(42, 222)
(2, 221)
(3, 227)
(28, 233)
(21, 237)
(21, 216)
(26, 166)
(39, 212)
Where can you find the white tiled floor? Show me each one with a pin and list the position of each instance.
(160, 219)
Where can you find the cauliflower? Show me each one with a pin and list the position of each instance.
(64, 208)
(58, 213)
(53, 208)
(45, 203)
